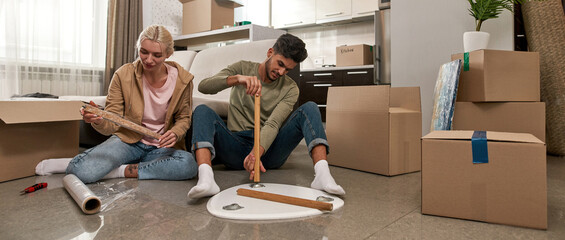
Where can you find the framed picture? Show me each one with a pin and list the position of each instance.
(445, 94)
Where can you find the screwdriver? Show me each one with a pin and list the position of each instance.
(34, 188)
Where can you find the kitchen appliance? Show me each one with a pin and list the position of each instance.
(382, 43)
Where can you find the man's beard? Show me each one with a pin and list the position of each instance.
(268, 70)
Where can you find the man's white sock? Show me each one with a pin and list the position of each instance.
(206, 186)
(51, 166)
(324, 180)
(118, 172)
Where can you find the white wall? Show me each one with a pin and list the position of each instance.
(255, 11)
(321, 41)
(163, 12)
(424, 34)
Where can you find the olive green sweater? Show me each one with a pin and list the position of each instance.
(277, 100)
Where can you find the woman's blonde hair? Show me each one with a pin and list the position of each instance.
(158, 34)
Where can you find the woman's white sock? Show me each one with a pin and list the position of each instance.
(324, 180)
(118, 172)
(206, 186)
(51, 166)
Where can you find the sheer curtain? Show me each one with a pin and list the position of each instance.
(52, 46)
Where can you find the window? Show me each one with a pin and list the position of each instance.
(52, 46)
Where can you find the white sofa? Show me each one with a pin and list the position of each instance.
(210, 61)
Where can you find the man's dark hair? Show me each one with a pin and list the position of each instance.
(291, 47)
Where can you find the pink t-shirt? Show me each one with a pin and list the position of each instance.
(156, 102)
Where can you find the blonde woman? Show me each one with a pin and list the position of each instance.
(156, 94)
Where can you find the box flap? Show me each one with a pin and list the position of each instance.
(405, 97)
(358, 98)
(491, 136)
(39, 111)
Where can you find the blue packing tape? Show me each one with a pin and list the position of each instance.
(479, 144)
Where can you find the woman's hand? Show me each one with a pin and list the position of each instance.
(249, 164)
(89, 117)
(168, 140)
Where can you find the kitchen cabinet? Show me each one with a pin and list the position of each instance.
(293, 13)
(314, 83)
(364, 8)
(357, 77)
(332, 10)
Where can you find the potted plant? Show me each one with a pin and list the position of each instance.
(483, 10)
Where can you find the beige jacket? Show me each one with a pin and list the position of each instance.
(125, 98)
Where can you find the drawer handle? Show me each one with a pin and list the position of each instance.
(322, 74)
(333, 14)
(322, 105)
(359, 72)
(323, 85)
(367, 12)
(294, 23)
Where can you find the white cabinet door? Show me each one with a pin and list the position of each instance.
(293, 13)
(362, 8)
(332, 10)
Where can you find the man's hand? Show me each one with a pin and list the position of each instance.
(89, 117)
(167, 140)
(251, 83)
(249, 164)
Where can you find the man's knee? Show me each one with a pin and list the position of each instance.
(311, 106)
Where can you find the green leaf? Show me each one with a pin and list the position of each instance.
(483, 10)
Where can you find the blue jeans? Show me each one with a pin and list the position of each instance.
(231, 148)
(154, 163)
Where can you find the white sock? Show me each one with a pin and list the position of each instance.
(51, 166)
(206, 186)
(324, 180)
(118, 172)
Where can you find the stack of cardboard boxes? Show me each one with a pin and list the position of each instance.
(499, 94)
(500, 91)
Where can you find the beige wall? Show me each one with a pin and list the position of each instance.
(425, 34)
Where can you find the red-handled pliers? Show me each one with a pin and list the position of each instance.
(34, 188)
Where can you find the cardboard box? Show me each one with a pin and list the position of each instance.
(510, 189)
(499, 76)
(354, 55)
(206, 15)
(35, 130)
(374, 128)
(518, 117)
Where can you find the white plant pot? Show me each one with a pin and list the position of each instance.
(475, 40)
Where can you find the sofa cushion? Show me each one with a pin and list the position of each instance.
(183, 58)
(210, 61)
